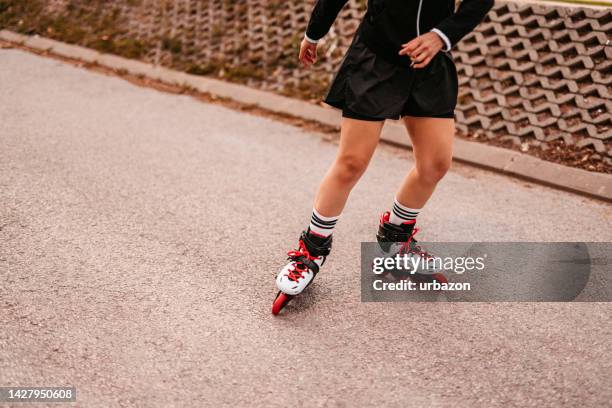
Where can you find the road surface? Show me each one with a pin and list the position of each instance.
(140, 233)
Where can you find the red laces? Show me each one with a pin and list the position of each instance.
(298, 267)
(406, 248)
(295, 274)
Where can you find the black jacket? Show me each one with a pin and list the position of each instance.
(389, 23)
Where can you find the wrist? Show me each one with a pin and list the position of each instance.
(446, 44)
(310, 40)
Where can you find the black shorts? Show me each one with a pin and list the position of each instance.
(369, 87)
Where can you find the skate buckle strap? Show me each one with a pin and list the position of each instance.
(387, 233)
(315, 249)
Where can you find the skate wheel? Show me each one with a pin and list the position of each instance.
(440, 278)
(280, 302)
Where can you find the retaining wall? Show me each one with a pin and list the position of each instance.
(533, 76)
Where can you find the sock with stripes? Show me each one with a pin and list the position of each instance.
(401, 213)
(321, 225)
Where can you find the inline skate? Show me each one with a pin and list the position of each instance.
(399, 239)
(304, 264)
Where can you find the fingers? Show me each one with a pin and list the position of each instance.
(306, 58)
(424, 63)
(417, 52)
(308, 54)
(310, 57)
(420, 54)
(314, 54)
(410, 46)
(420, 51)
(302, 53)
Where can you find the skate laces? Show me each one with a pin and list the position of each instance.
(299, 268)
(410, 247)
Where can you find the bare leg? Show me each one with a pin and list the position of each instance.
(432, 141)
(358, 141)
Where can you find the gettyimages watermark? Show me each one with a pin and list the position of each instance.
(487, 272)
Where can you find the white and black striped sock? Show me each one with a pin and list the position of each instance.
(322, 225)
(401, 213)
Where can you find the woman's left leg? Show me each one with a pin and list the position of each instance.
(432, 141)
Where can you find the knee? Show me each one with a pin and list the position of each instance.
(434, 170)
(349, 168)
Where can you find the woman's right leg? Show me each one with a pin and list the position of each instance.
(358, 141)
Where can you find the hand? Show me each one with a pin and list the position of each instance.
(422, 49)
(308, 53)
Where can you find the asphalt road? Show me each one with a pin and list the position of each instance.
(140, 233)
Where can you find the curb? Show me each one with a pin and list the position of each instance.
(597, 185)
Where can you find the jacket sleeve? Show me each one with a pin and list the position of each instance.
(322, 18)
(460, 24)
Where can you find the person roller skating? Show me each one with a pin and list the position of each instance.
(398, 66)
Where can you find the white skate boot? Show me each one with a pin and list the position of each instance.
(304, 264)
